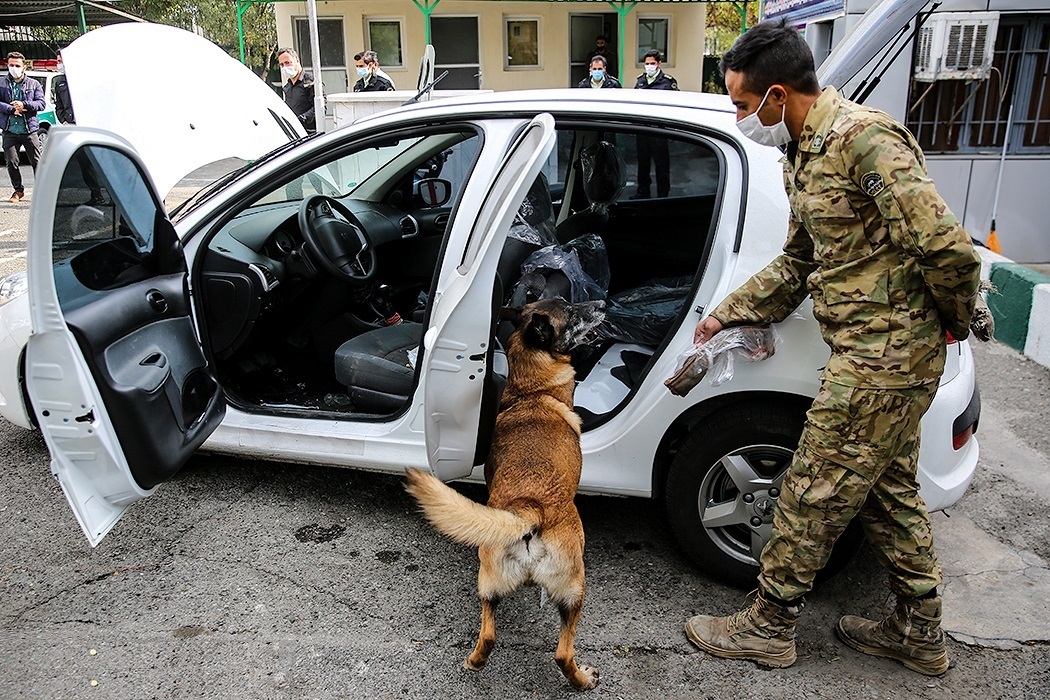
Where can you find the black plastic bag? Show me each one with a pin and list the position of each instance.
(644, 315)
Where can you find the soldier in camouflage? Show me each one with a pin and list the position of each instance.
(891, 272)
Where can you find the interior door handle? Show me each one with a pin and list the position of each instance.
(155, 359)
(157, 301)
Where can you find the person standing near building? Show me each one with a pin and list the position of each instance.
(892, 274)
(599, 77)
(652, 150)
(65, 116)
(298, 88)
(370, 77)
(602, 48)
(21, 98)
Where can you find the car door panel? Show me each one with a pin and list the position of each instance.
(121, 387)
(461, 372)
(151, 374)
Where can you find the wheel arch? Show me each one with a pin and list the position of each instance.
(681, 426)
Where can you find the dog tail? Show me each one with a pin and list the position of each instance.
(463, 520)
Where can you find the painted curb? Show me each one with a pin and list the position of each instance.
(1021, 308)
(1038, 345)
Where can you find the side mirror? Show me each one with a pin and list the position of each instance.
(434, 191)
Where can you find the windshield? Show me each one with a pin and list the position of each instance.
(380, 170)
(205, 193)
(342, 176)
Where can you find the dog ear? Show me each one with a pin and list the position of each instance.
(510, 313)
(539, 331)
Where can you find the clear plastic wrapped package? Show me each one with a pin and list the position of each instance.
(716, 356)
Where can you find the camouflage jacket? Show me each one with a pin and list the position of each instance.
(886, 262)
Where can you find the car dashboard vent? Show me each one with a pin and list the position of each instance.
(409, 227)
(441, 221)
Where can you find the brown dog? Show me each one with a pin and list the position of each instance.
(530, 533)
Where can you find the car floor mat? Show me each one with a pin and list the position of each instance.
(633, 368)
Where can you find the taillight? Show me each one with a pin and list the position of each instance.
(958, 441)
(949, 339)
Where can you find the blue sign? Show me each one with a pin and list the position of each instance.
(797, 12)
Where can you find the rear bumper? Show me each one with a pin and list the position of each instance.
(944, 472)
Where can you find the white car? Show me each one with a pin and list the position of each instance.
(260, 320)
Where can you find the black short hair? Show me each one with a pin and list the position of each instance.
(772, 52)
(652, 53)
(601, 37)
(605, 63)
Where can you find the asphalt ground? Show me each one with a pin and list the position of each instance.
(248, 579)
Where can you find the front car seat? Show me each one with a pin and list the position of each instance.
(378, 367)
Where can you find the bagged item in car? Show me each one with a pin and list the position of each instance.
(534, 222)
(643, 315)
(604, 175)
(576, 271)
(716, 356)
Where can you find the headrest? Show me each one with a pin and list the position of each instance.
(604, 174)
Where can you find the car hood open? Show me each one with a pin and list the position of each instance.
(876, 29)
(179, 99)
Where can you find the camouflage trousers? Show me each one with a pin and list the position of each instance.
(857, 458)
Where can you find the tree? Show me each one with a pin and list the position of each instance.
(722, 29)
(723, 23)
(217, 20)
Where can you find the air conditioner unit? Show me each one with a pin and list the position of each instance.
(956, 46)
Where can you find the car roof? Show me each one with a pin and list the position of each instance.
(611, 102)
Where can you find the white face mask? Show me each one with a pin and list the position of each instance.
(362, 72)
(15, 72)
(289, 72)
(754, 129)
(651, 69)
(61, 68)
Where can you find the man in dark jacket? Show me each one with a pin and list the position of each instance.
(653, 149)
(599, 77)
(370, 78)
(63, 103)
(602, 48)
(21, 98)
(64, 114)
(298, 88)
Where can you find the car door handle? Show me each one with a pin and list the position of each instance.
(155, 359)
(157, 301)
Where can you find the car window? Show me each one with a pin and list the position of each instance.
(387, 171)
(108, 230)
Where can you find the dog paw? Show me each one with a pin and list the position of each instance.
(589, 677)
(472, 665)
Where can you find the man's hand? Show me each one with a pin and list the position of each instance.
(19, 106)
(706, 329)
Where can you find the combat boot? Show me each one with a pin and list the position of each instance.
(911, 635)
(764, 633)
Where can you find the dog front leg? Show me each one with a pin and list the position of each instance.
(487, 636)
(582, 677)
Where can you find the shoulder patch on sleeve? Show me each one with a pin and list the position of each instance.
(872, 183)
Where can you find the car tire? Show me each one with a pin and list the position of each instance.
(722, 485)
(41, 137)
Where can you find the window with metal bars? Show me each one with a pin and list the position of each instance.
(968, 116)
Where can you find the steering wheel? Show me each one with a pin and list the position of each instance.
(336, 240)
